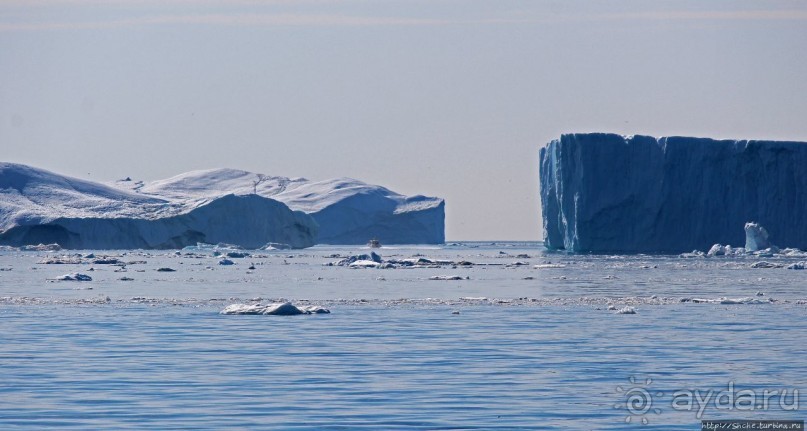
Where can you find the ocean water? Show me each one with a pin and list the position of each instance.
(513, 346)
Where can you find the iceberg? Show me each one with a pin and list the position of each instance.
(756, 237)
(241, 208)
(37, 206)
(347, 211)
(639, 194)
(277, 309)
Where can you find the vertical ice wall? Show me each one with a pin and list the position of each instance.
(610, 193)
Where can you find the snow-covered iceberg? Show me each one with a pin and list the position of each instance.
(37, 206)
(610, 193)
(211, 206)
(347, 211)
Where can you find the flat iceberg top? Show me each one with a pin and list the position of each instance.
(299, 194)
(32, 194)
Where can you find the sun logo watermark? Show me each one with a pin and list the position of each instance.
(638, 400)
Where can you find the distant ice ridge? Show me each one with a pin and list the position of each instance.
(347, 211)
(629, 194)
(37, 206)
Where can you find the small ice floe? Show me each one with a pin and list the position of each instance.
(727, 301)
(693, 253)
(226, 262)
(765, 264)
(747, 300)
(165, 269)
(549, 265)
(237, 254)
(106, 261)
(41, 247)
(626, 310)
(61, 260)
(126, 279)
(364, 264)
(76, 276)
(279, 309)
(448, 277)
(276, 246)
(797, 265)
(529, 277)
(611, 307)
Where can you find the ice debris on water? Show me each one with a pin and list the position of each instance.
(277, 309)
(728, 301)
(449, 277)
(626, 310)
(76, 276)
(764, 264)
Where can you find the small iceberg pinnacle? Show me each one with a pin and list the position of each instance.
(756, 237)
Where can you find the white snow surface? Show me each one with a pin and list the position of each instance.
(606, 193)
(277, 309)
(348, 211)
(38, 206)
(231, 206)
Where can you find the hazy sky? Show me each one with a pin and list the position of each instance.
(447, 98)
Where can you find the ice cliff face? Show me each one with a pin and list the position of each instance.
(347, 211)
(38, 206)
(610, 193)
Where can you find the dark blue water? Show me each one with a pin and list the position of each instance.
(379, 364)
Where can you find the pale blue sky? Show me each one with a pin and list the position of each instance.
(441, 97)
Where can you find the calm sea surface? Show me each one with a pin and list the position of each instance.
(510, 347)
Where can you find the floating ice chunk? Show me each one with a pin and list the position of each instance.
(41, 247)
(717, 250)
(76, 276)
(278, 309)
(727, 301)
(237, 254)
(797, 265)
(61, 260)
(549, 266)
(166, 270)
(756, 237)
(626, 310)
(746, 300)
(764, 264)
(448, 277)
(364, 264)
(226, 262)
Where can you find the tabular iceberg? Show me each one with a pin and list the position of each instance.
(610, 193)
(37, 206)
(212, 206)
(347, 211)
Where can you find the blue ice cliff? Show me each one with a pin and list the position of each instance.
(630, 194)
(211, 206)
